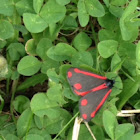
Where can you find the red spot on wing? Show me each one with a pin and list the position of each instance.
(84, 102)
(69, 74)
(84, 116)
(90, 74)
(78, 86)
(101, 103)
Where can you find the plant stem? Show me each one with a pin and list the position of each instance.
(96, 42)
(94, 33)
(66, 125)
(127, 75)
(94, 138)
(14, 85)
(2, 103)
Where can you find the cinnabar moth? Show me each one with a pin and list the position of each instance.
(94, 88)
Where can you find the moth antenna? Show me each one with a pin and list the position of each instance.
(90, 130)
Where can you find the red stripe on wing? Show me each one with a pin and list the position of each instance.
(90, 74)
(101, 103)
(103, 86)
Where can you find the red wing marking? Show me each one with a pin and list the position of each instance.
(89, 74)
(84, 102)
(69, 74)
(84, 116)
(92, 90)
(78, 86)
(101, 103)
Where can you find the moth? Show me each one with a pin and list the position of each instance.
(93, 88)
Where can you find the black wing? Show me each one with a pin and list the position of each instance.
(83, 82)
(91, 103)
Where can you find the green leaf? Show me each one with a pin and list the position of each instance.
(55, 125)
(128, 51)
(16, 50)
(53, 76)
(115, 63)
(39, 121)
(82, 41)
(124, 132)
(94, 8)
(24, 6)
(21, 28)
(63, 2)
(11, 137)
(3, 67)
(3, 134)
(110, 123)
(42, 132)
(2, 44)
(136, 136)
(6, 7)
(53, 31)
(107, 34)
(61, 52)
(37, 4)
(81, 58)
(8, 129)
(3, 119)
(36, 37)
(33, 137)
(55, 93)
(34, 23)
(85, 134)
(69, 94)
(118, 3)
(107, 48)
(111, 105)
(63, 70)
(129, 89)
(107, 3)
(108, 21)
(128, 31)
(32, 81)
(117, 87)
(130, 9)
(6, 29)
(52, 12)
(21, 103)
(30, 47)
(41, 105)
(98, 131)
(137, 105)
(24, 122)
(42, 47)
(69, 23)
(138, 54)
(116, 11)
(134, 101)
(49, 64)
(28, 65)
(83, 16)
